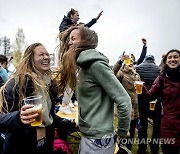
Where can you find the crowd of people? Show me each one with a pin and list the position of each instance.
(85, 73)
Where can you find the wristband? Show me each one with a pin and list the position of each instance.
(120, 62)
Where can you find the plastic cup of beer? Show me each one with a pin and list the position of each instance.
(139, 86)
(152, 105)
(127, 60)
(35, 100)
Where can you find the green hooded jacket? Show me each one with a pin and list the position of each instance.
(97, 90)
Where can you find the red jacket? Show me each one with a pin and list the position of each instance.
(170, 92)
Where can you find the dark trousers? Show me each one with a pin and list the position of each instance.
(170, 149)
(143, 126)
(1, 144)
(156, 129)
(132, 132)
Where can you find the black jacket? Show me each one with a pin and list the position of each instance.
(148, 72)
(21, 138)
(67, 22)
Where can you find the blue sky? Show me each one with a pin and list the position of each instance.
(120, 28)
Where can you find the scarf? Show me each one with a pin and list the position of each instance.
(173, 73)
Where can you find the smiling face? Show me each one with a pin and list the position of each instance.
(129, 67)
(74, 37)
(41, 59)
(173, 59)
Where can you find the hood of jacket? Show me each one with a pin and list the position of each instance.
(67, 19)
(89, 56)
(65, 24)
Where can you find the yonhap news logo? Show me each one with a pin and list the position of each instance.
(147, 141)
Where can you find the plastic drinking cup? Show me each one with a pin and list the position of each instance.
(139, 86)
(152, 105)
(127, 61)
(37, 102)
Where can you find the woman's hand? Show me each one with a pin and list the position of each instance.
(123, 56)
(144, 41)
(122, 140)
(28, 114)
(99, 15)
(128, 134)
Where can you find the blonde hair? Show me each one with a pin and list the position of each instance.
(25, 69)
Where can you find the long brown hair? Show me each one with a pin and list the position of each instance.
(25, 68)
(68, 56)
(164, 65)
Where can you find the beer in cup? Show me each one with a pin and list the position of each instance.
(127, 60)
(139, 86)
(152, 105)
(37, 102)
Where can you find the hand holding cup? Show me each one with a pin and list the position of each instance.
(28, 114)
(35, 102)
(138, 86)
(125, 58)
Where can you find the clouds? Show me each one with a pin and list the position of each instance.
(120, 28)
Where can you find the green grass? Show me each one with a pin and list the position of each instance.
(74, 143)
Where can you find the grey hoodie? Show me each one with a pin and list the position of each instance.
(97, 90)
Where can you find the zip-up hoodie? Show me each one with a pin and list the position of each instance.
(97, 90)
